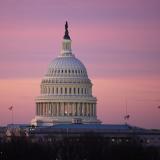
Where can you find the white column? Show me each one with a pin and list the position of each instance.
(79, 109)
(69, 108)
(49, 109)
(75, 109)
(88, 108)
(63, 108)
(52, 108)
(72, 107)
(40, 109)
(60, 108)
(49, 113)
(43, 109)
(46, 108)
(83, 109)
(57, 108)
(36, 109)
(67, 105)
(94, 109)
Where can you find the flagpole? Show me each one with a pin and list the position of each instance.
(12, 117)
(127, 116)
(126, 111)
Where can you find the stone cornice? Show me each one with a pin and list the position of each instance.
(71, 80)
(66, 99)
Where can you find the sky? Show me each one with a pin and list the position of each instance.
(117, 40)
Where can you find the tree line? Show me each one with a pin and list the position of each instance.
(86, 147)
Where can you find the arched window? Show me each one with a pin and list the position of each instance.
(57, 90)
(61, 90)
(85, 91)
(70, 90)
(74, 90)
(48, 90)
(53, 90)
(45, 90)
(65, 90)
(82, 90)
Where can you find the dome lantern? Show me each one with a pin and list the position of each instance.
(66, 36)
(66, 44)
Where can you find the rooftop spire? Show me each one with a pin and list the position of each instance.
(66, 36)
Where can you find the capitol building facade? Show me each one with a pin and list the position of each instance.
(66, 91)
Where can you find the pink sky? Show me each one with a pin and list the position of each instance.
(118, 41)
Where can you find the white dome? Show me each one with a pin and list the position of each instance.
(66, 66)
(66, 91)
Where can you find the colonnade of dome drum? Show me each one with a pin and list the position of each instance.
(66, 72)
(82, 90)
(65, 109)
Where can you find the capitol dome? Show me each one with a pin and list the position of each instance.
(66, 91)
(66, 66)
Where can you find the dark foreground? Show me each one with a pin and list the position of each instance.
(81, 148)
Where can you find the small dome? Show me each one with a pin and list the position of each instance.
(66, 65)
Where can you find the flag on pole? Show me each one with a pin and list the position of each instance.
(10, 108)
(126, 117)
